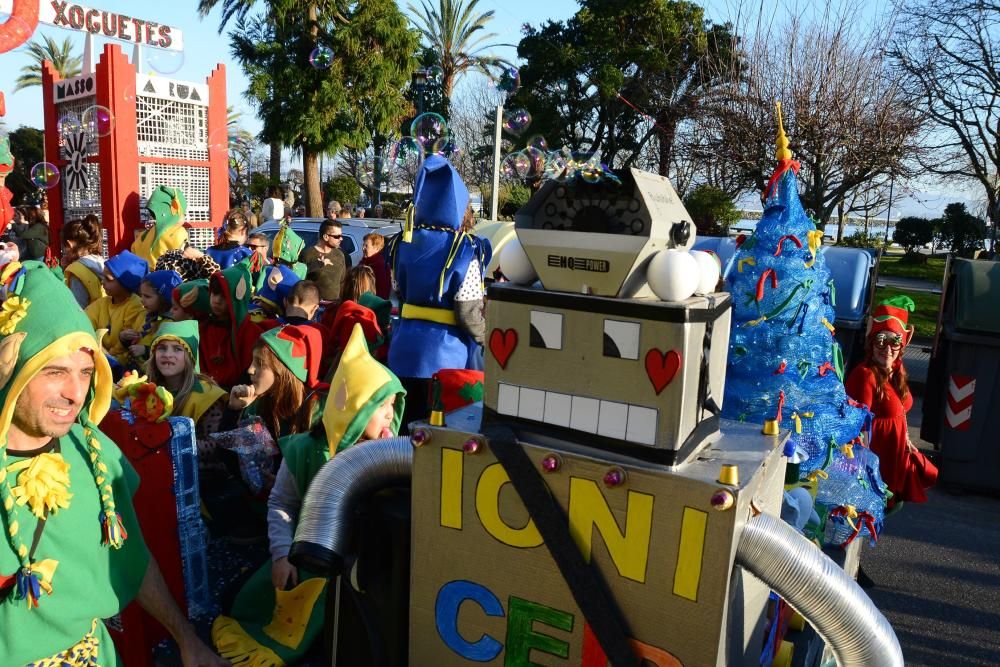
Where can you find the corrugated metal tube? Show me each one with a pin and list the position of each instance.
(325, 521)
(816, 587)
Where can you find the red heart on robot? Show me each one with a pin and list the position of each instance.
(661, 368)
(502, 344)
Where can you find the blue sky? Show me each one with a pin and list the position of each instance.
(204, 47)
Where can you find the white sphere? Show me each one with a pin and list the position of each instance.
(709, 270)
(673, 275)
(514, 263)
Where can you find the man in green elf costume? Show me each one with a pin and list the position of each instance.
(279, 612)
(74, 554)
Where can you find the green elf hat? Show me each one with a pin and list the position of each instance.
(893, 315)
(185, 333)
(299, 348)
(287, 245)
(39, 322)
(193, 296)
(359, 387)
(167, 206)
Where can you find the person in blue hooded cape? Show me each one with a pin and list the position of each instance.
(438, 270)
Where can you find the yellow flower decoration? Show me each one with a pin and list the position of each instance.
(123, 389)
(12, 311)
(43, 483)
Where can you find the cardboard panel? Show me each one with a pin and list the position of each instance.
(484, 587)
(623, 370)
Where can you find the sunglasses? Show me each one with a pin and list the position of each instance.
(895, 341)
(333, 236)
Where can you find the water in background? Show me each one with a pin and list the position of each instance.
(829, 232)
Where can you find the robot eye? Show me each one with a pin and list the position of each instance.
(546, 330)
(621, 339)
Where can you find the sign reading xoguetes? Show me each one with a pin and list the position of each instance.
(104, 23)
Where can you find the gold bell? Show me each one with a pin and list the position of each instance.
(770, 427)
(729, 475)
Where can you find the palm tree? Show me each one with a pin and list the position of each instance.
(453, 32)
(60, 55)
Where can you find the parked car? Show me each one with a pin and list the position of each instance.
(355, 230)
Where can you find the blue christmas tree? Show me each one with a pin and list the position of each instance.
(786, 367)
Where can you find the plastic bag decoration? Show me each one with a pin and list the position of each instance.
(784, 362)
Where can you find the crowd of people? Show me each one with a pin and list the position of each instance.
(251, 332)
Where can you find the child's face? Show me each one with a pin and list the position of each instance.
(177, 312)
(380, 425)
(218, 304)
(150, 298)
(111, 285)
(171, 358)
(261, 376)
(368, 248)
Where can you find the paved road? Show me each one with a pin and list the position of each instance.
(937, 580)
(937, 575)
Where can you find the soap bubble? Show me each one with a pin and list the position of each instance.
(428, 128)
(537, 158)
(516, 166)
(516, 121)
(558, 164)
(446, 148)
(129, 94)
(590, 170)
(45, 175)
(165, 62)
(68, 124)
(321, 57)
(435, 73)
(97, 121)
(405, 155)
(538, 141)
(509, 80)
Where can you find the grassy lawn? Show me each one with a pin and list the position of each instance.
(924, 318)
(933, 270)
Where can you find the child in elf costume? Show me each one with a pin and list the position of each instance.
(285, 390)
(173, 364)
(120, 310)
(268, 301)
(156, 294)
(270, 624)
(69, 526)
(191, 301)
(166, 207)
(228, 335)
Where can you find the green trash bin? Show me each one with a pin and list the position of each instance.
(963, 413)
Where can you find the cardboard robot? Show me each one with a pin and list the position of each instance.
(593, 509)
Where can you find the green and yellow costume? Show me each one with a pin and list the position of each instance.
(269, 627)
(87, 559)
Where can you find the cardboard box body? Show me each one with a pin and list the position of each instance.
(630, 375)
(485, 589)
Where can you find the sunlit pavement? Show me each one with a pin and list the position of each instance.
(937, 571)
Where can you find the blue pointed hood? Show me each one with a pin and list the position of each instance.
(440, 197)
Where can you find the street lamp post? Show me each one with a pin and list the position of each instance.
(888, 213)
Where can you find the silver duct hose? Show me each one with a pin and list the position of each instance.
(832, 602)
(325, 521)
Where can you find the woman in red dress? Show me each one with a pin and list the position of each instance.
(880, 383)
